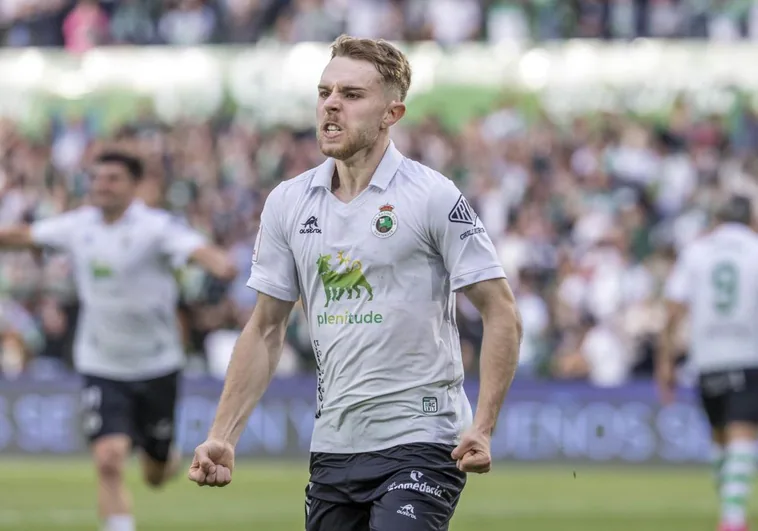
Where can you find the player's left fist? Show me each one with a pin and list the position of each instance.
(212, 464)
(473, 452)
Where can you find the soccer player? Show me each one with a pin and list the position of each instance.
(127, 345)
(375, 244)
(716, 279)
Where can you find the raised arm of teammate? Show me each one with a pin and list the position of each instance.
(55, 232)
(499, 359)
(254, 360)
(16, 237)
(214, 260)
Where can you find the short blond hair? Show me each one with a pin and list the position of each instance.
(391, 63)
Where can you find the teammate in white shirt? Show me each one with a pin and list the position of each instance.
(127, 347)
(716, 279)
(375, 245)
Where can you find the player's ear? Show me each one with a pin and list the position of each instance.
(395, 112)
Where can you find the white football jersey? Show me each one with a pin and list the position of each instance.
(377, 278)
(716, 276)
(124, 273)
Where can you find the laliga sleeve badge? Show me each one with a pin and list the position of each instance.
(384, 224)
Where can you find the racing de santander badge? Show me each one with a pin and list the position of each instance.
(384, 223)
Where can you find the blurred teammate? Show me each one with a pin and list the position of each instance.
(375, 244)
(127, 346)
(716, 278)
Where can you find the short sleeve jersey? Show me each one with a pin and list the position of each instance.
(716, 277)
(377, 278)
(125, 278)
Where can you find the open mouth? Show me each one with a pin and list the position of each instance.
(331, 130)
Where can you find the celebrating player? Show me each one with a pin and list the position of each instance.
(376, 245)
(716, 278)
(127, 345)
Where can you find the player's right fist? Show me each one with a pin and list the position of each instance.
(212, 464)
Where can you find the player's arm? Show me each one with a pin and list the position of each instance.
(676, 295)
(182, 244)
(254, 360)
(500, 347)
(55, 232)
(17, 237)
(256, 354)
(215, 261)
(474, 267)
(675, 314)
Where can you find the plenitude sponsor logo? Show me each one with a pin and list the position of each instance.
(347, 281)
(348, 318)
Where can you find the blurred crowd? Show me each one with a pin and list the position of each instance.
(587, 216)
(81, 24)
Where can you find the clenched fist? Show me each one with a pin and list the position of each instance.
(212, 464)
(473, 453)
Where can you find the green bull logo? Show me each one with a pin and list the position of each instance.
(100, 269)
(349, 283)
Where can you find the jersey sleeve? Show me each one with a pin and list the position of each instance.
(678, 285)
(273, 270)
(56, 232)
(458, 235)
(179, 241)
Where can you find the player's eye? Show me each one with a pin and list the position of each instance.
(323, 94)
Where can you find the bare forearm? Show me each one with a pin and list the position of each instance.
(499, 359)
(667, 341)
(18, 237)
(665, 354)
(254, 360)
(215, 261)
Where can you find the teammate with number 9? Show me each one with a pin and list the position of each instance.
(716, 278)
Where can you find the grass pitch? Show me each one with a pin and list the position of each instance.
(58, 495)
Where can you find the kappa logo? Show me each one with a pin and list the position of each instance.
(310, 226)
(462, 212)
(407, 510)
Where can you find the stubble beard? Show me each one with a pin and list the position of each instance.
(351, 144)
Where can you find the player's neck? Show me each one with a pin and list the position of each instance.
(353, 175)
(111, 216)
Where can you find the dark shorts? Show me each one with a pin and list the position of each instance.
(414, 487)
(730, 396)
(144, 410)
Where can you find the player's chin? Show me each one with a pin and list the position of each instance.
(336, 149)
(103, 201)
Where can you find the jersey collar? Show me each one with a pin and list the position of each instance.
(382, 177)
(131, 211)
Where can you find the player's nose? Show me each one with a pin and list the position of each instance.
(332, 104)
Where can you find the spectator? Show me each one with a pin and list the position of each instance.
(131, 23)
(188, 23)
(595, 352)
(313, 21)
(85, 27)
(244, 20)
(195, 22)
